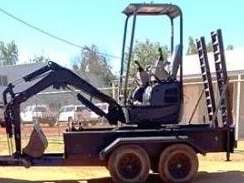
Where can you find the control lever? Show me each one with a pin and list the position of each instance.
(161, 57)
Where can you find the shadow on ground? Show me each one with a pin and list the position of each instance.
(202, 177)
(220, 177)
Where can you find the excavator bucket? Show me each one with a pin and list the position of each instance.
(37, 143)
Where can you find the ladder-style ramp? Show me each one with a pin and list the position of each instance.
(225, 90)
(222, 78)
(207, 81)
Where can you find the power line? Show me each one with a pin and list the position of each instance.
(52, 35)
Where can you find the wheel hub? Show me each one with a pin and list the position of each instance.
(179, 166)
(129, 166)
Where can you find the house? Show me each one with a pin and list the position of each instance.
(14, 74)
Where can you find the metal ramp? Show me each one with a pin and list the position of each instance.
(225, 92)
(225, 89)
(207, 81)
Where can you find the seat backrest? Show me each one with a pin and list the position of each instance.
(175, 61)
(159, 71)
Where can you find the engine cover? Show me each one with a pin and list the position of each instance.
(163, 106)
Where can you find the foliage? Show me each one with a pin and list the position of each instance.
(230, 47)
(209, 47)
(192, 48)
(146, 53)
(93, 67)
(39, 59)
(8, 53)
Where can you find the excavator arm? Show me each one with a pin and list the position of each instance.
(58, 77)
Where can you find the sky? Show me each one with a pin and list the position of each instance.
(100, 22)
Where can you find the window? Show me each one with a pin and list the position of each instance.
(80, 108)
(62, 109)
(70, 108)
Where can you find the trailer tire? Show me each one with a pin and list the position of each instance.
(129, 164)
(178, 163)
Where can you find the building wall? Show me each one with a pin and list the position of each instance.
(192, 92)
(241, 114)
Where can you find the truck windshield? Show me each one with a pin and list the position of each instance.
(80, 108)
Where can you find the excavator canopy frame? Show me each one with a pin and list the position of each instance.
(145, 9)
(171, 10)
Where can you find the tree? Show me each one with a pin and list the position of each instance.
(230, 47)
(8, 53)
(93, 67)
(209, 47)
(192, 48)
(146, 53)
(39, 59)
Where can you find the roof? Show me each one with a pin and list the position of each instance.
(171, 10)
(234, 62)
(16, 72)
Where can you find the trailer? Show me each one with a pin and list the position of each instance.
(143, 136)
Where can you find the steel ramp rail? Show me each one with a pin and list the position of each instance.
(222, 77)
(207, 81)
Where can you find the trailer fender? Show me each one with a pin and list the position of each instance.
(142, 140)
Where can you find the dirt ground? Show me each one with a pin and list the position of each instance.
(212, 169)
(209, 172)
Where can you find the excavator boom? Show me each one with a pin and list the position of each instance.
(58, 77)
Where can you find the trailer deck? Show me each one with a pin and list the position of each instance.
(91, 147)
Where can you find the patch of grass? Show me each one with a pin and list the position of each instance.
(55, 144)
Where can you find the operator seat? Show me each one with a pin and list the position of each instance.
(162, 77)
(37, 143)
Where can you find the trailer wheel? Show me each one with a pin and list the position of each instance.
(129, 164)
(178, 163)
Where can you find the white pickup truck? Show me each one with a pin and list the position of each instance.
(80, 113)
(38, 113)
